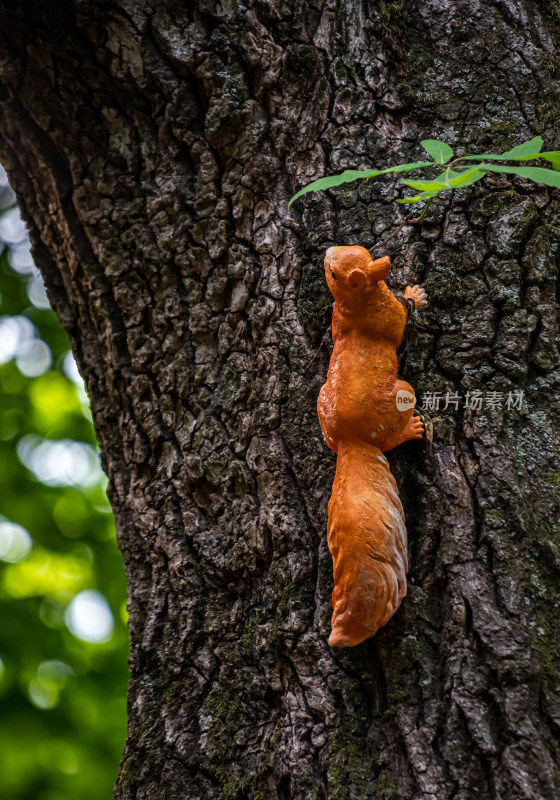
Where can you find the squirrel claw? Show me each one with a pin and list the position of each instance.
(418, 294)
(413, 430)
(428, 424)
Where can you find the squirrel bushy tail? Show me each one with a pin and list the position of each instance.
(367, 540)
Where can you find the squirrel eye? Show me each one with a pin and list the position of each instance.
(332, 273)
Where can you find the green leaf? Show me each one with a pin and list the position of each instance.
(350, 175)
(453, 178)
(407, 167)
(439, 151)
(426, 186)
(537, 174)
(466, 178)
(328, 182)
(526, 149)
(450, 179)
(448, 175)
(417, 197)
(553, 157)
(522, 152)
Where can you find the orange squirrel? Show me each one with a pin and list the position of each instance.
(360, 418)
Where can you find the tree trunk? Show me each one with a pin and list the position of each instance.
(153, 148)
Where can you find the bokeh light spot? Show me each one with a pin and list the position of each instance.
(46, 574)
(54, 670)
(42, 694)
(20, 259)
(89, 617)
(12, 227)
(63, 462)
(17, 335)
(36, 291)
(35, 360)
(71, 369)
(15, 542)
(51, 613)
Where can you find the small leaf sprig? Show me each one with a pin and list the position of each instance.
(458, 172)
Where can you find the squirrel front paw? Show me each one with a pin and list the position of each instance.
(418, 294)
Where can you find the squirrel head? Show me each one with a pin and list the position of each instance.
(351, 272)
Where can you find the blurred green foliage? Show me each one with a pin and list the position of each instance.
(63, 635)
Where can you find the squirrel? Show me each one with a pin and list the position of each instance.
(359, 409)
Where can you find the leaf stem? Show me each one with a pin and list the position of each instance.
(418, 221)
(424, 213)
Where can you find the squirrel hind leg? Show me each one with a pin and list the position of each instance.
(413, 428)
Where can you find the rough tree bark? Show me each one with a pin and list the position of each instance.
(153, 147)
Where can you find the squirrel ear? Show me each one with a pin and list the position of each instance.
(356, 279)
(381, 268)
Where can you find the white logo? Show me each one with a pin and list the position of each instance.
(405, 400)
